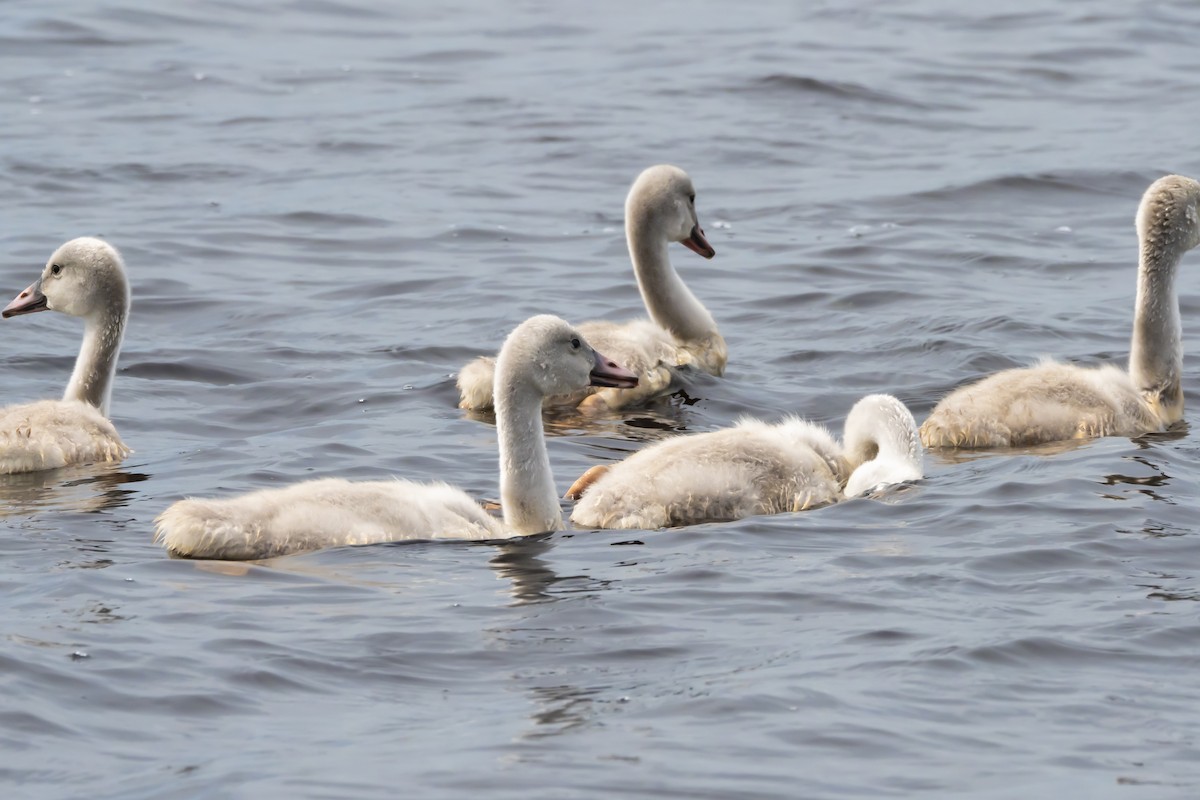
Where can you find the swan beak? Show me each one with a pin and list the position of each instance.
(27, 302)
(698, 244)
(607, 372)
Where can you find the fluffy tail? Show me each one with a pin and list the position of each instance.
(882, 444)
(475, 384)
(195, 528)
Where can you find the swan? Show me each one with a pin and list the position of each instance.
(84, 278)
(752, 468)
(542, 356)
(1052, 401)
(660, 209)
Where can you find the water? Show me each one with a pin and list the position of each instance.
(327, 207)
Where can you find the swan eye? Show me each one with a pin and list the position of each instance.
(692, 199)
(56, 269)
(575, 344)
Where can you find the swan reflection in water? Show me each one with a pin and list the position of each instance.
(532, 578)
(84, 489)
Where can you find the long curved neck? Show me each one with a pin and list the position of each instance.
(865, 444)
(526, 484)
(91, 381)
(670, 303)
(1156, 353)
(898, 443)
(881, 428)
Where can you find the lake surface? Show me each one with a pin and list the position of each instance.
(327, 207)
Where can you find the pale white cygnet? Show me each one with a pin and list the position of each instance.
(680, 334)
(543, 356)
(1053, 401)
(752, 468)
(83, 278)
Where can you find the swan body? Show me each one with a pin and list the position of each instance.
(544, 355)
(680, 334)
(50, 434)
(753, 468)
(1052, 401)
(1047, 402)
(84, 278)
(322, 513)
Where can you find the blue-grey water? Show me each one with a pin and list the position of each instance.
(327, 206)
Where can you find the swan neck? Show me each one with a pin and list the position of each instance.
(1156, 351)
(671, 304)
(527, 491)
(91, 380)
(880, 433)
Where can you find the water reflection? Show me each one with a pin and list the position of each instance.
(1158, 530)
(1176, 432)
(1158, 478)
(84, 489)
(559, 709)
(1159, 593)
(533, 579)
(951, 456)
(519, 561)
(1165, 586)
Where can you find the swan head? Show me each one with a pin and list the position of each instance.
(84, 278)
(1168, 218)
(664, 199)
(552, 356)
